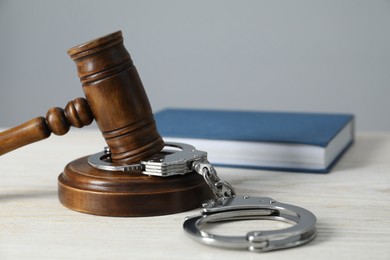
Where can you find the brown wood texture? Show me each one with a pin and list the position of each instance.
(90, 190)
(122, 111)
(58, 121)
(117, 98)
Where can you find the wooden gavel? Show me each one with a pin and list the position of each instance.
(115, 98)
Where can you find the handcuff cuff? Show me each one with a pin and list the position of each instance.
(179, 159)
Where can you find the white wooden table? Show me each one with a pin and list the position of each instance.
(351, 203)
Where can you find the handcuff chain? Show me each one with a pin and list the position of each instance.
(221, 189)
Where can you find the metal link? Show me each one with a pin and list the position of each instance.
(226, 206)
(221, 189)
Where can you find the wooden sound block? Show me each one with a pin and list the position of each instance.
(86, 189)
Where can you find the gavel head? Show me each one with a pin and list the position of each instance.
(117, 98)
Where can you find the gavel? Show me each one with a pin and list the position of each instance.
(116, 99)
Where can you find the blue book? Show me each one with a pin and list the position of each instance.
(303, 142)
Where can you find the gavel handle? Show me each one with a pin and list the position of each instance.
(77, 113)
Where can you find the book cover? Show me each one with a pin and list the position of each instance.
(309, 142)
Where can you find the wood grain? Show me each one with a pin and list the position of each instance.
(117, 98)
(123, 113)
(58, 121)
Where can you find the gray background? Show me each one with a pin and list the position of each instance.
(322, 56)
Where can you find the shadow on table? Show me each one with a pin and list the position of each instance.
(364, 151)
(28, 194)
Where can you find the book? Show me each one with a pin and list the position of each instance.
(288, 141)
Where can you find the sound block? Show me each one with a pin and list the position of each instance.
(86, 189)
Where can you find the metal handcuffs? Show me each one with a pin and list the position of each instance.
(174, 159)
(179, 159)
(253, 208)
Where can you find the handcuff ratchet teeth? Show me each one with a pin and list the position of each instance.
(179, 159)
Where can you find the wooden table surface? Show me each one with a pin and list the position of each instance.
(351, 203)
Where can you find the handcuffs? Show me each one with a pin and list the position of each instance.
(179, 159)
